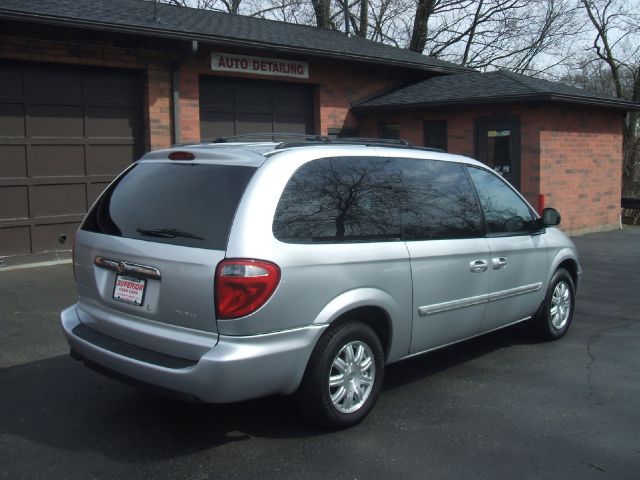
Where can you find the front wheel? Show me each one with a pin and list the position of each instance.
(555, 315)
(343, 377)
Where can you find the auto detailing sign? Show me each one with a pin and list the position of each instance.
(222, 62)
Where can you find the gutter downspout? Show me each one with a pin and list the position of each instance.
(176, 134)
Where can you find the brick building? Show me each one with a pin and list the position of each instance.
(86, 86)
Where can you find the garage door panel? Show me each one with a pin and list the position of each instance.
(53, 84)
(94, 190)
(290, 123)
(292, 99)
(57, 160)
(254, 123)
(13, 161)
(109, 159)
(11, 120)
(110, 87)
(111, 122)
(14, 202)
(54, 200)
(213, 125)
(253, 97)
(15, 240)
(11, 82)
(236, 107)
(65, 131)
(46, 238)
(217, 94)
(55, 121)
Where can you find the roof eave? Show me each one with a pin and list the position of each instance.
(217, 40)
(596, 102)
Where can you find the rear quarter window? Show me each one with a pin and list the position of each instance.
(341, 199)
(188, 204)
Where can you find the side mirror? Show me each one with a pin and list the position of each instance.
(550, 217)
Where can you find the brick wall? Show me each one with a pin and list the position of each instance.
(68, 46)
(581, 164)
(337, 85)
(572, 155)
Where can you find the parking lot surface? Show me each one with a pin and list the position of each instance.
(500, 406)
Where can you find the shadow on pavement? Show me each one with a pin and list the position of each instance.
(62, 404)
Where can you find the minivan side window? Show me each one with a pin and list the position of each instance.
(504, 210)
(437, 201)
(340, 199)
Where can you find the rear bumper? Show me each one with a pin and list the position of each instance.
(237, 368)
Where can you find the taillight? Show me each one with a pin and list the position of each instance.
(243, 286)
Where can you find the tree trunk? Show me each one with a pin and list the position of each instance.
(364, 18)
(421, 25)
(321, 9)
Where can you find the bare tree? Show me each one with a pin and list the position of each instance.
(616, 44)
(484, 34)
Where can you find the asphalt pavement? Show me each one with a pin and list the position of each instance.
(501, 406)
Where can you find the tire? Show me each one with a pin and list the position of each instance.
(351, 358)
(556, 313)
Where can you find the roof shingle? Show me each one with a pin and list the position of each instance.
(490, 87)
(138, 16)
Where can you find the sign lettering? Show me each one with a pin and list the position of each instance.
(222, 62)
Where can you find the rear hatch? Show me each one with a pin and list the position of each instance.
(148, 249)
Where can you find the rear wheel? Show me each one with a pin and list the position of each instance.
(343, 377)
(555, 315)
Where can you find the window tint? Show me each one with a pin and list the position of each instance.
(504, 211)
(438, 201)
(337, 200)
(178, 203)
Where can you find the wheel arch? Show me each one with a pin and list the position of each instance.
(373, 307)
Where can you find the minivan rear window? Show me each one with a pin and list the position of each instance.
(188, 204)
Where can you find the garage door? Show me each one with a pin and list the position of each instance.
(234, 107)
(65, 132)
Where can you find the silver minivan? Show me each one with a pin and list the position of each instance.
(224, 272)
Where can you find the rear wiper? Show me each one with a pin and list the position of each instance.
(166, 233)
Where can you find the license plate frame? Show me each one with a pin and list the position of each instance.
(125, 290)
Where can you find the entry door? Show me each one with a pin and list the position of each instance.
(498, 146)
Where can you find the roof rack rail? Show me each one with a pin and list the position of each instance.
(368, 142)
(273, 136)
(390, 142)
(306, 139)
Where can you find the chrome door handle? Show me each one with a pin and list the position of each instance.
(477, 266)
(498, 263)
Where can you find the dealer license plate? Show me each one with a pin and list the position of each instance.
(129, 289)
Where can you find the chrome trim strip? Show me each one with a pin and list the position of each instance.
(452, 305)
(512, 292)
(126, 267)
(477, 300)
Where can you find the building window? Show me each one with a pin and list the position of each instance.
(435, 134)
(390, 130)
